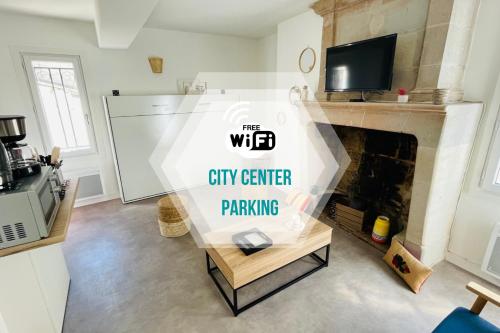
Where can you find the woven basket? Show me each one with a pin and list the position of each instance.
(171, 207)
(172, 216)
(176, 229)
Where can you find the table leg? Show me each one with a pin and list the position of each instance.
(234, 304)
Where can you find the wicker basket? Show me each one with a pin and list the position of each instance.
(173, 219)
(176, 229)
(171, 207)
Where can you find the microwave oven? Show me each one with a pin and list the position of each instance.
(27, 212)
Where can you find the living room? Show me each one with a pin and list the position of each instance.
(324, 165)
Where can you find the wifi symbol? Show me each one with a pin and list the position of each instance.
(237, 112)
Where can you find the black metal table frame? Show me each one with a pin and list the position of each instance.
(234, 303)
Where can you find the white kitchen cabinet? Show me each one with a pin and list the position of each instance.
(34, 290)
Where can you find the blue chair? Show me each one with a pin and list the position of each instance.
(465, 320)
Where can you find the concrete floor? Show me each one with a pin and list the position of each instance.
(127, 278)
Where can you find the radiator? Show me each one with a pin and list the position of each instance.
(491, 261)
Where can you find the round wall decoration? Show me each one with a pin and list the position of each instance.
(307, 60)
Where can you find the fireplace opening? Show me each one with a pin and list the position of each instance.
(377, 182)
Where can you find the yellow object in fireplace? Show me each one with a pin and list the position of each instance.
(381, 229)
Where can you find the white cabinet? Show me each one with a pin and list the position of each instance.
(135, 138)
(132, 106)
(53, 278)
(137, 124)
(33, 291)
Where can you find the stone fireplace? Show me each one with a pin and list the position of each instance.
(379, 179)
(432, 48)
(444, 136)
(431, 53)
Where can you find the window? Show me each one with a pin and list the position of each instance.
(491, 180)
(60, 102)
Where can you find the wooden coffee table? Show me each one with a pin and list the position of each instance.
(240, 270)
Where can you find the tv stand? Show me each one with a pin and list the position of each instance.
(362, 99)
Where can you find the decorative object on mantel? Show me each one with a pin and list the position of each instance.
(173, 219)
(412, 271)
(304, 93)
(402, 95)
(156, 64)
(381, 229)
(307, 60)
(440, 96)
(294, 95)
(198, 88)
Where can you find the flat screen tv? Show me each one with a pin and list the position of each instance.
(361, 66)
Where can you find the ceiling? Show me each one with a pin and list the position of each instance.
(256, 18)
(118, 22)
(68, 9)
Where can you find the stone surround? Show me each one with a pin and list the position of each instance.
(448, 35)
(432, 47)
(445, 135)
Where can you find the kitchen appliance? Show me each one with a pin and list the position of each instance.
(23, 158)
(6, 178)
(362, 66)
(12, 128)
(29, 210)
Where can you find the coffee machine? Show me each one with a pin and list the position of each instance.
(6, 177)
(17, 160)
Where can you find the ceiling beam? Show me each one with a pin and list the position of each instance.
(118, 22)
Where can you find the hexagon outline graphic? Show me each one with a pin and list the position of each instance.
(248, 155)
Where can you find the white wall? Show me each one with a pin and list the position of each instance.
(266, 49)
(294, 35)
(184, 54)
(478, 210)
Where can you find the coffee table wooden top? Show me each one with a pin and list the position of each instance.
(240, 269)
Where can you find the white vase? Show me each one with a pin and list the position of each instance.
(403, 98)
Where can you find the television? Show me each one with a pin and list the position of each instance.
(361, 66)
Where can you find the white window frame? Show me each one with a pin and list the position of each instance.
(492, 167)
(26, 59)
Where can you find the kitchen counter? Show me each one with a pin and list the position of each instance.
(34, 279)
(60, 227)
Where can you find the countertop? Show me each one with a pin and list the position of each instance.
(59, 228)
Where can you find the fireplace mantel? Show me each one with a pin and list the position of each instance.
(385, 106)
(445, 135)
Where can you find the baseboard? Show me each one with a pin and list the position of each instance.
(471, 268)
(95, 199)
